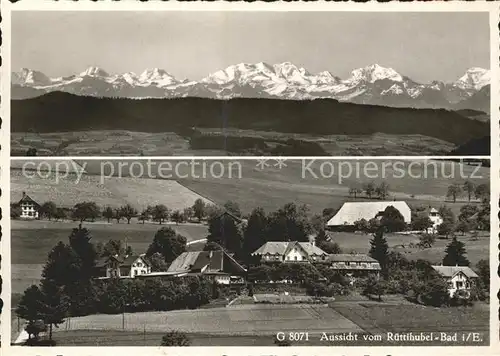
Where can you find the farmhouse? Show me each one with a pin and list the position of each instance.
(29, 208)
(117, 267)
(436, 219)
(459, 278)
(354, 265)
(291, 251)
(217, 265)
(350, 212)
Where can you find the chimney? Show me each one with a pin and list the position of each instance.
(210, 254)
(24, 195)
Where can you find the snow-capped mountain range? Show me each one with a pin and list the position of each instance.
(373, 84)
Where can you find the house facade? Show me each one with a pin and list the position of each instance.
(354, 265)
(30, 209)
(350, 212)
(128, 267)
(436, 219)
(459, 278)
(290, 251)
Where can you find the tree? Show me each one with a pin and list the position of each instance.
(128, 212)
(354, 191)
(177, 217)
(199, 209)
(455, 254)
(188, 213)
(421, 223)
(160, 213)
(15, 211)
(369, 189)
(290, 223)
(362, 225)
(373, 225)
(382, 191)
(454, 191)
(48, 210)
(379, 249)
(483, 217)
(80, 242)
(467, 211)
(434, 291)
(327, 213)
(469, 188)
(54, 306)
(427, 240)
(108, 213)
(175, 338)
(392, 220)
(445, 228)
(233, 208)
(30, 309)
(483, 271)
(375, 286)
(61, 214)
(31, 152)
(158, 263)
(225, 231)
(143, 216)
(463, 226)
(329, 247)
(168, 243)
(112, 248)
(86, 211)
(482, 192)
(117, 215)
(255, 234)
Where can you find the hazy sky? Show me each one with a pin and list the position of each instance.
(423, 46)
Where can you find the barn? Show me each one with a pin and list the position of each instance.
(351, 212)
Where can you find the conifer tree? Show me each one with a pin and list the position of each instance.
(455, 254)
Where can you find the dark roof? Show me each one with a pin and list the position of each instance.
(122, 262)
(350, 257)
(450, 271)
(27, 199)
(208, 261)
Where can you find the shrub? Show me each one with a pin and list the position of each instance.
(175, 338)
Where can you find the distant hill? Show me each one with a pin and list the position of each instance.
(475, 147)
(60, 112)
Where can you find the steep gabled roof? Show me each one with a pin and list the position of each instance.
(351, 212)
(451, 271)
(27, 199)
(200, 261)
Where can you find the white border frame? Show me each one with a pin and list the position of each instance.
(38, 5)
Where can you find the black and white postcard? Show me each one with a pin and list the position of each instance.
(226, 178)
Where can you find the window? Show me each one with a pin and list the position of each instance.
(136, 272)
(460, 285)
(139, 264)
(295, 258)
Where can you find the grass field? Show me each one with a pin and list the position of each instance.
(360, 243)
(67, 190)
(130, 143)
(273, 187)
(31, 241)
(257, 325)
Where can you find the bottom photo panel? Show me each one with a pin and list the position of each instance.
(250, 252)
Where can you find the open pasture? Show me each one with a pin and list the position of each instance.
(418, 182)
(67, 189)
(133, 143)
(360, 243)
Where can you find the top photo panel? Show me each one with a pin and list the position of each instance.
(250, 83)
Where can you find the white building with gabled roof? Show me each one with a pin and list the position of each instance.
(350, 212)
